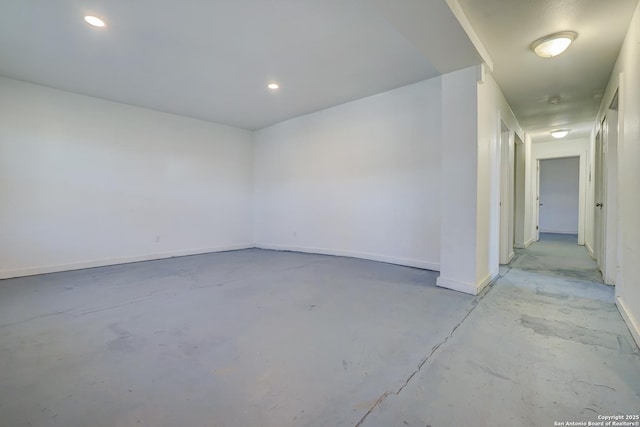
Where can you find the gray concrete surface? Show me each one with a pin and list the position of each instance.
(246, 338)
(545, 345)
(263, 338)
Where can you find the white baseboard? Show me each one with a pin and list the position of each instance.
(466, 287)
(559, 231)
(523, 245)
(589, 249)
(32, 271)
(509, 258)
(629, 319)
(425, 265)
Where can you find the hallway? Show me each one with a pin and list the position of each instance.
(546, 344)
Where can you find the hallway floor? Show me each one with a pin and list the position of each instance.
(546, 344)
(264, 338)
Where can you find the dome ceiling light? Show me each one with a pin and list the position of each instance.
(94, 21)
(553, 44)
(560, 133)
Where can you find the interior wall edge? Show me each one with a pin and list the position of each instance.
(33, 271)
(425, 265)
(632, 323)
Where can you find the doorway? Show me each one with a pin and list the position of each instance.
(559, 196)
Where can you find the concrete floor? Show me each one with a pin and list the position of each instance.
(263, 338)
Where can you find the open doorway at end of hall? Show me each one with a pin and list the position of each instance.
(559, 195)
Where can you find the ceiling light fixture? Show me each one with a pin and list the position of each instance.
(273, 86)
(555, 100)
(553, 44)
(94, 21)
(560, 133)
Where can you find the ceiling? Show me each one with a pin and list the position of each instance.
(213, 59)
(579, 76)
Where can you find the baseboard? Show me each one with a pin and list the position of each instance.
(629, 319)
(425, 265)
(466, 287)
(32, 271)
(589, 249)
(523, 245)
(560, 231)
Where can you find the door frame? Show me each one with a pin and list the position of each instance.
(611, 190)
(559, 154)
(507, 199)
(539, 197)
(537, 205)
(520, 192)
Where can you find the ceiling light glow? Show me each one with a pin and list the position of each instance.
(560, 133)
(553, 44)
(94, 21)
(273, 86)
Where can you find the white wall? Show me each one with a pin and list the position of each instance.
(520, 214)
(361, 179)
(458, 184)
(86, 182)
(529, 233)
(559, 190)
(473, 112)
(493, 112)
(91, 182)
(576, 147)
(626, 76)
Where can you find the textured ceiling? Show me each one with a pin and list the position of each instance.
(578, 76)
(213, 59)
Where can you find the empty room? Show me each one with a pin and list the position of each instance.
(319, 213)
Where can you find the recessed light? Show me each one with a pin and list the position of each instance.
(560, 133)
(553, 44)
(94, 21)
(273, 86)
